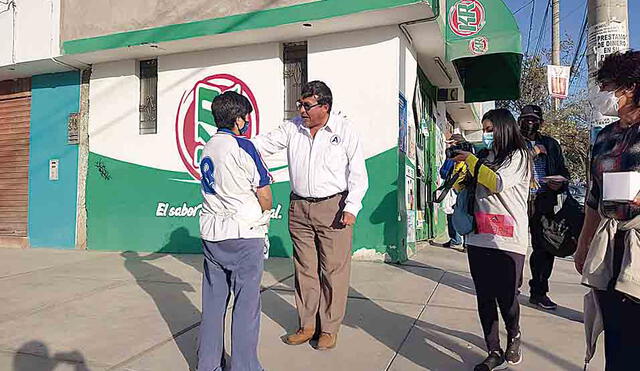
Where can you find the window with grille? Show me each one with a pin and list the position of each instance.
(295, 75)
(149, 96)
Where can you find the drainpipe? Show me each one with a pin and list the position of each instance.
(436, 15)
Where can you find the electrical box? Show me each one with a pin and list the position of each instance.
(53, 169)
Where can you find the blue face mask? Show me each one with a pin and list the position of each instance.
(487, 139)
(245, 128)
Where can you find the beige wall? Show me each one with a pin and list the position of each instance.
(89, 18)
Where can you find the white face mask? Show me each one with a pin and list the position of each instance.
(606, 102)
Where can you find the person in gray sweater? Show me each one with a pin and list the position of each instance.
(498, 246)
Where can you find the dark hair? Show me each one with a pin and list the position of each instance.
(623, 71)
(227, 107)
(507, 138)
(320, 90)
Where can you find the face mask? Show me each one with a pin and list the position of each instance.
(487, 139)
(606, 102)
(245, 128)
(529, 128)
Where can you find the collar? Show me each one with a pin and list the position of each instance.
(226, 131)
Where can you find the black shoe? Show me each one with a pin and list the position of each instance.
(495, 361)
(513, 354)
(543, 302)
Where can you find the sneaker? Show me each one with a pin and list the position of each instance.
(513, 354)
(543, 302)
(495, 361)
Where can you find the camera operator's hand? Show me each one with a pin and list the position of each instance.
(461, 156)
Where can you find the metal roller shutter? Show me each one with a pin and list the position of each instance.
(15, 111)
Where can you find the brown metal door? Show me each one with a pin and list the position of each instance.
(15, 111)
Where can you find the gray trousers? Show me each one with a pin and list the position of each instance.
(231, 265)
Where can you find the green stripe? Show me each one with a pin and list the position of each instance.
(278, 168)
(249, 21)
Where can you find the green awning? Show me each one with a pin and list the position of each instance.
(483, 43)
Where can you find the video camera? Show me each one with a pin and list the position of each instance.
(451, 152)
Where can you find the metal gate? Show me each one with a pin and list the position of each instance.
(15, 109)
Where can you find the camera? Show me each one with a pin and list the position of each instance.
(451, 152)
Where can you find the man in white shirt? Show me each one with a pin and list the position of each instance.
(233, 226)
(328, 181)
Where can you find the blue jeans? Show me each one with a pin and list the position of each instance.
(454, 237)
(231, 265)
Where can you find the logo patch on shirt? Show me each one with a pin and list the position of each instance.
(335, 140)
(498, 225)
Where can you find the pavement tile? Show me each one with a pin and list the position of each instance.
(451, 339)
(379, 281)
(112, 325)
(20, 261)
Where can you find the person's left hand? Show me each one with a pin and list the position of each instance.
(461, 156)
(348, 219)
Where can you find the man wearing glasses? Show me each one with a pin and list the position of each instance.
(552, 177)
(328, 181)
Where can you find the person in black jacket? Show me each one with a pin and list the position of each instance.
(552, 177)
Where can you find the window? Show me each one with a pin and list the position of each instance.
(149, 96)
(295, 75)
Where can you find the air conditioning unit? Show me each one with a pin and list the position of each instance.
(448, 95)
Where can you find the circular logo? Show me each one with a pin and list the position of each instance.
(466, 17)
(479, 45)
(335, 140)
(194, 121)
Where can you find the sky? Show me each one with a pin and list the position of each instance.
(572, 14)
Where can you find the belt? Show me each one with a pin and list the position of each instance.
(316, 199)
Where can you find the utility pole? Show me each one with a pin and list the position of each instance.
(555, 47)
(608, 33)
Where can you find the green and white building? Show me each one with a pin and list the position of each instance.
(140, 76)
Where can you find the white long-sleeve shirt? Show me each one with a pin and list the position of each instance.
(323, 166)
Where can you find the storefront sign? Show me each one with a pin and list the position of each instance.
(467, 17)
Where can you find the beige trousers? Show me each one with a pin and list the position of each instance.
(322, 261)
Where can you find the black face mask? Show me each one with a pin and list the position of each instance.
(529, 128)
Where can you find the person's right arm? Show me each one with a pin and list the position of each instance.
(274, 141)
(591, 222)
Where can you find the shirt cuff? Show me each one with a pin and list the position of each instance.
(352, 209)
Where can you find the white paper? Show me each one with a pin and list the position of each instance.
(623, 186)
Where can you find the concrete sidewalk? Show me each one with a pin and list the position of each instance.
(72, 310)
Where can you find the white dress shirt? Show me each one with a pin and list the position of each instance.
(232, 170)
(323, 166)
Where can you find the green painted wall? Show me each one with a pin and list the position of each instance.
(122, 200)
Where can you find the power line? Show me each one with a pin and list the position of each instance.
(543, 27)
(533, 8)
(524, 6)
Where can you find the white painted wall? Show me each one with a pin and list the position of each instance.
(114, 116)
(361, 68)
(32, 33)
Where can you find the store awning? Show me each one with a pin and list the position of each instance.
(483, 42)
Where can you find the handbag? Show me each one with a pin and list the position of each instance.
(562, 227)
(463, 218)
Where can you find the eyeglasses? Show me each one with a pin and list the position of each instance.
(307, 106)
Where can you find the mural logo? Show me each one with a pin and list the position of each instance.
(194, 122)
(479, 45)
(467, 17)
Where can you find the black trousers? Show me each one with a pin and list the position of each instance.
(540, 261)
(497, 276)
(621, 319)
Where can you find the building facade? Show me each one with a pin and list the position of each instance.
(127, 116)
